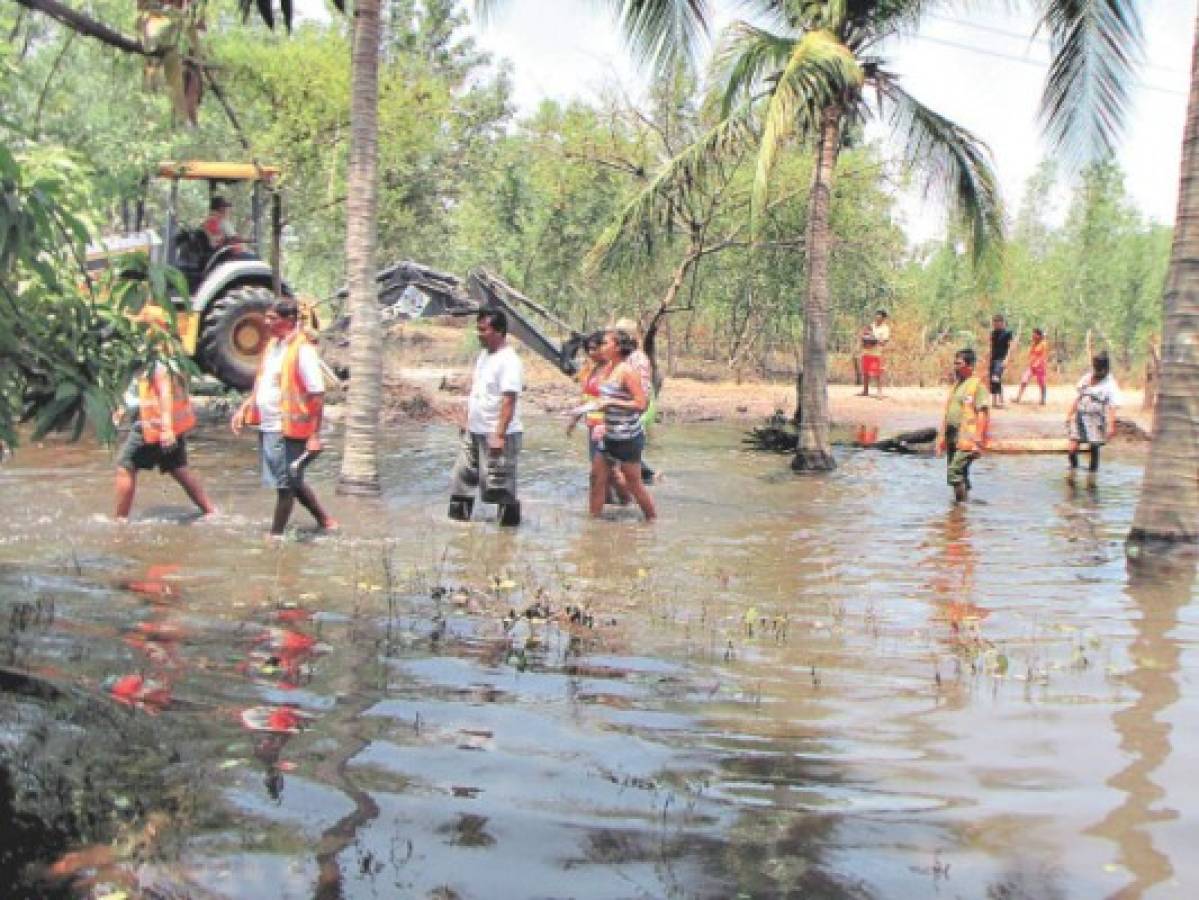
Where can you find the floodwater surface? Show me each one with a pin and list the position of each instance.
(841, 686)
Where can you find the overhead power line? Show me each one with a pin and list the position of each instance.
(970, 48)
(1030, 39)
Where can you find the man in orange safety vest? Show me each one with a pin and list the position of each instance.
(963, 434)
(163, 413)
(287, 404)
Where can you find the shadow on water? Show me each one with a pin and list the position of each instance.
(835, 687)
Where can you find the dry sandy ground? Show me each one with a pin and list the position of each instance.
(428, 368)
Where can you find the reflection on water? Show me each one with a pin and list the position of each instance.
(1145, 739)
(844, 686)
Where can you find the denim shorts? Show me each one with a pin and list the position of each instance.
(278, 453)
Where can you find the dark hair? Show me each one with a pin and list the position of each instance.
(1000, 317)
(967, 356)
(593, 340)
(1101, 362)
(286, 308)
(218, 202)
(1038, 331)
(625, 342)
(881, 312)
(495, 318)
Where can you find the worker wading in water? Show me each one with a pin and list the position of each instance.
(159, 400)
(287, 404)
(491, 433)
(963, 434)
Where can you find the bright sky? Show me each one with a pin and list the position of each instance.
(979, 69)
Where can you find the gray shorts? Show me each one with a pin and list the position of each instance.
(1087, 429)
(493, 474)
(278, 453)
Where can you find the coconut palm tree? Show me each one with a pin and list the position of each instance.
(1167, 514)
(809, 73)
(360, 460)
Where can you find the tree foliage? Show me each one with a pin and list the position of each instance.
(68, 347)
(466, 182)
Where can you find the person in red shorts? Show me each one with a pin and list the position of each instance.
(1038, 365)
(874, 337)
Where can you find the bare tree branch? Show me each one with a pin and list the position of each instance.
(87, 27)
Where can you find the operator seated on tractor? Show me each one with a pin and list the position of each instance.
(221, 233)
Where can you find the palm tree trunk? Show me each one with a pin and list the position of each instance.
(360, 461)
(1167, 515)
(814, 452)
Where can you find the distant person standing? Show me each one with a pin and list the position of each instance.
(875, 337)
(163, 415)
(1092, 416)
(491, 438)
(1001, 346)
(1038, 365)
(287, 404)
(964, 429)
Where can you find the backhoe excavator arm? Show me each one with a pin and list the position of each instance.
(448, 295)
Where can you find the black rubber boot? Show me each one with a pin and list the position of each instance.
(509, 513)
(960, 492)
(461, 508)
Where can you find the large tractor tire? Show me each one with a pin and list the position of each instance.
(235, 335)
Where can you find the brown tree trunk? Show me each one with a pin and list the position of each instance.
(650, 341)
(814, 452)
(360, 460)
(1167, 515)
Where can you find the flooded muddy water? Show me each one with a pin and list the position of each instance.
(819, 687)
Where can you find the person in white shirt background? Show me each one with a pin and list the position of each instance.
(1092, 416)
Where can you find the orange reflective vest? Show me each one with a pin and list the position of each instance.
(171, 392)
(967, 440)
(294, 399)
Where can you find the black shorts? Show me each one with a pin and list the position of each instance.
(137, 454)
(625, 451)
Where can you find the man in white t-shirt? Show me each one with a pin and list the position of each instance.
(492, 437)
(287, 404)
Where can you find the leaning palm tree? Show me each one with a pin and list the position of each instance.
(360, 460)
(808, 73)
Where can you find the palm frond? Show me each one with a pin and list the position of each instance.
(659, 32)
(821, 71)
(868, 22)
(678, 180)
(745, 57)
(663, 32)
(952, 161)
(1096, 47)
